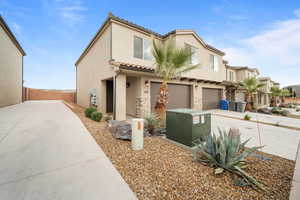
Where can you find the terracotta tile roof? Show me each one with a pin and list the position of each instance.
(130, 66)
(264, 78)
(135, 67)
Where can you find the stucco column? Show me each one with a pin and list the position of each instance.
(120, 98)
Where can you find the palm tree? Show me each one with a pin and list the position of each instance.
(275, 92)
(170, 62)
(251, 86)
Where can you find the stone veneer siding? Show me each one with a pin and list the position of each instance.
(143, 103)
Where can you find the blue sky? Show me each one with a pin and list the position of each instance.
(262, 34)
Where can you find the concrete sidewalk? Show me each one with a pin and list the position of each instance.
(47, 153)
(295, 191)
(272, 119)
(278, 141)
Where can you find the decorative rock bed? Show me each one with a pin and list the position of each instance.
(163, 170)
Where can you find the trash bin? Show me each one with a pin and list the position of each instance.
(241, 106)
(186, 126)
(232, 106)
(224, 105)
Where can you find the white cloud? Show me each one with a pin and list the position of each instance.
(17, 28)
(272, 50)
(297, 12)
(70, 11)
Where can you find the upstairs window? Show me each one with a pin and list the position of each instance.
(214, 61)
(142, 48)
(231, 78)
(194, 54)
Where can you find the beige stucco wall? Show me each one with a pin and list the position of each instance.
(244, 73)
(205, 70)
(122, 45)
(10, 71)
(267, 86)
(93, 69)
(133, 85)
(234, 75)
(196, 98)
(122, 50)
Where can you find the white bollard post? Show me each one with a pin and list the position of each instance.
(137, 134)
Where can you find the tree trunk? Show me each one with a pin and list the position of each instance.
(161, 103)
(273, 102)
(248, 101)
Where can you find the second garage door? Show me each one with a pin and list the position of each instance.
(179, 95)
(211, 98)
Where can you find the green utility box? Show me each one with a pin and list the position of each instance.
(187, 126)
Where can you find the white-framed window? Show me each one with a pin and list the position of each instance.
(231, 76)
(194, 60)
(142, 48)
(214, 61)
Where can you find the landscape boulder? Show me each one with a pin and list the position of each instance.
(121, 130)
(285, 113)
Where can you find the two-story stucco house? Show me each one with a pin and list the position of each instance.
(118, 65)
(11, 67)
(236, 74)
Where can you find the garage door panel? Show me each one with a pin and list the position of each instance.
(211, 98)
(179, 95)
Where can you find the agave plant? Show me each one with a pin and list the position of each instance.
(226, 152)
(152, 122)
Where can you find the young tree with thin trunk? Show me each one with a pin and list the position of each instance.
(251, 86)
(171, 62)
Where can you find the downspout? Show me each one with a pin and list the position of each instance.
(22, 84)
(117, 72)
(75, 98)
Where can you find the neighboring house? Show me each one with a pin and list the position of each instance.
(118, 65)
(295, 90)
(235, 75)
(11, 67)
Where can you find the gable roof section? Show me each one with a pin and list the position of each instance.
(242, 68)
(113, 18)
(5, 27)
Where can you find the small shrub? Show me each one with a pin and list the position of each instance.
(152, 122)
(96, 116)
(88, 111)
(298, 110)
(276, 110)
(247, 117)
(226, 152)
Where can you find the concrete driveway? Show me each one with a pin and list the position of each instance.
(47, 153)
(279, 141)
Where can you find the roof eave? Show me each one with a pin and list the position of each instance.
(11, 35)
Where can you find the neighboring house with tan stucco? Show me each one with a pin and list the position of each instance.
(237, 74)
(11, 67)
(117, 64)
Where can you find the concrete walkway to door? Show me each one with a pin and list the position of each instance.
(46, 153)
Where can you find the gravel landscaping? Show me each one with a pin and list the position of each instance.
(163, 170)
